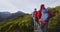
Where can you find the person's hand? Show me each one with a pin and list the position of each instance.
(40, 21)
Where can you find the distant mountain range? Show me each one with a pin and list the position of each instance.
(8, 15)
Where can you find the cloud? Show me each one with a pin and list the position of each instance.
(7, 6)
(26, 6)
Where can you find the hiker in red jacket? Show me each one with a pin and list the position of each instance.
(34, 15)
(43, 18)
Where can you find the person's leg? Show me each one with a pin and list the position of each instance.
(36, 22)
(41, 27)
(35, 25)
(45, 28)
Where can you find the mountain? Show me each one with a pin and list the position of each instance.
(8, 15)
(19, 13)
(4, 15)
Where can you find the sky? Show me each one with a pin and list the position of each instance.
(26, 6)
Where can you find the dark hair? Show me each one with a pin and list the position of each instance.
(35, 9)
(42, 4)
(42, 7)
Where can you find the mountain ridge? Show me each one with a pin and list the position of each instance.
(8, 15)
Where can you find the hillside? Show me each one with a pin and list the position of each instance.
(25, 23)
(20, 24)
(54, 22)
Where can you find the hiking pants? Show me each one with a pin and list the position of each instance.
(43, 27)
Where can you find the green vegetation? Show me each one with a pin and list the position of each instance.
(54, 22)
(20, 23)
(25, 23)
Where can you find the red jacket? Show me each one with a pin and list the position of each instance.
(35, 14)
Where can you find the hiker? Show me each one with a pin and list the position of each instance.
(43, 21)
(34, 15)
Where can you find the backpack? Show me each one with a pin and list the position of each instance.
(51, 13)
(39, 14)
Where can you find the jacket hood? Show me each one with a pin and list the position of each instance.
(42, 7)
